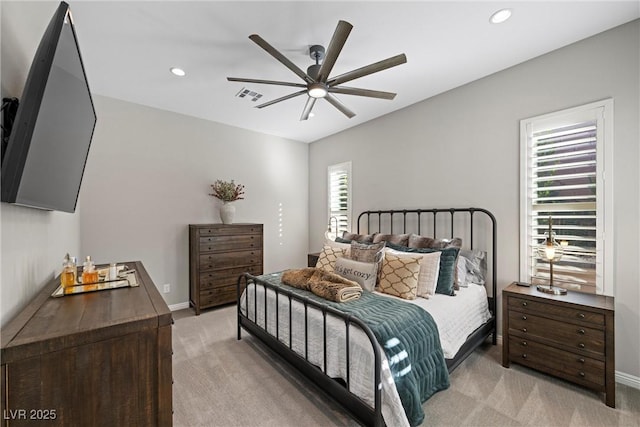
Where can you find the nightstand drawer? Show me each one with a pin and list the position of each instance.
(580, 369)
(570, 314)
(574, 337)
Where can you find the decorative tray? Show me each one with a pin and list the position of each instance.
(125, 279)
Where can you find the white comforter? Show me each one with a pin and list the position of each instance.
(456, 317)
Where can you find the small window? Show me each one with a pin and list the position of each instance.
(564, 163)
(339, 197)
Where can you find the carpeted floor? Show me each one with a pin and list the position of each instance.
(219, 381)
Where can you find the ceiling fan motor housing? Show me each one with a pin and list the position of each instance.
(316, 52)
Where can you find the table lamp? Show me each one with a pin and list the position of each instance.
(552, 251)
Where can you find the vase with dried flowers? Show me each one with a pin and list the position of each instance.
(228, 192)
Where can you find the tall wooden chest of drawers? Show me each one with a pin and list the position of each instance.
(569, 336)
(218, 255)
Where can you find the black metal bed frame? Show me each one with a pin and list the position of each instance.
(340, 391)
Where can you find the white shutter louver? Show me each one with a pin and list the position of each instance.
(339, 199)
(563, 186)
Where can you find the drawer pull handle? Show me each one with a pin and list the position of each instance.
(581, 360)
(581, 345)
(524, 356)
(581, 331)
(524, 304)
(581, 315)
(524, 343)
(524, 317)
(524, 329)
(582, 374)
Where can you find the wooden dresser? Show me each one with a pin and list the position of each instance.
(95, 359)
(218, 255)
(569, 336)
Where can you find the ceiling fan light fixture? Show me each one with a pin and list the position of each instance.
(317, 90)
(500, 16)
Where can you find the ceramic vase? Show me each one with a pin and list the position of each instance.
(227, 212)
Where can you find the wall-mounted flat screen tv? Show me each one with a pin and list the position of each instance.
(45, 157)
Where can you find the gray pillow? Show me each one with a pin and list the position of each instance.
(364, 252)
(472, 266)
(398, 239)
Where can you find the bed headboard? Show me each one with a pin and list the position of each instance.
(475, 226)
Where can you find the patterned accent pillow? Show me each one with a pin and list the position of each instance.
(398, 239)
(429, 271)
(364, 273)
(328, 257)
(448, 259)
(399, 275)
(367, 252)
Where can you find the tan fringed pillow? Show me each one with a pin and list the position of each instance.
(328, 257)
(399, 275)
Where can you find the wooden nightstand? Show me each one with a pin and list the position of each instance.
(312, 259)
(569, 336)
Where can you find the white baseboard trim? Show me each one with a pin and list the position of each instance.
(628, 380)
(621, 377)
(179, 306)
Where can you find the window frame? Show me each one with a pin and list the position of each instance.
(602, 112)
(346, 168)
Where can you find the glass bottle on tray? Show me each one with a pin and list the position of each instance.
(89, 272)
(68, 275)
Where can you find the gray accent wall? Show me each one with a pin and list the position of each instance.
(462, 149)
(148, 177)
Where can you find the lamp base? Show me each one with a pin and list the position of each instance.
(551, 290)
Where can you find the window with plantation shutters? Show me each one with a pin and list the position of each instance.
(339, 197)
(564, 158)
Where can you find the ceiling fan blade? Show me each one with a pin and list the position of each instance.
(266, 82)
(362, 92)
(284, 98)
(368, 69)
(307, 108)
(339, 105)
(335, 47)
(280, 57)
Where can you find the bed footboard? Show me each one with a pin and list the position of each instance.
(340, 391)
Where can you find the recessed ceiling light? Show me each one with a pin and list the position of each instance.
(177, 71)
(500, 16)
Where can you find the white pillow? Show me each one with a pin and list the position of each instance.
(429, 271)
(365, 273)
(344, 246)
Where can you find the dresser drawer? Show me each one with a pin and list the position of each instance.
(570, 314)
(230, 230)
(217, 296)
(574, 337)
(226, 277)
(230, 259)
(564, 364)
(225, 243)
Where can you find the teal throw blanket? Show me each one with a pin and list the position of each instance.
(410, 340)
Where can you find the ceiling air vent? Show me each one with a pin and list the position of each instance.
(249, 94)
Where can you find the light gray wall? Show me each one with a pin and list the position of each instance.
(148, 176)
(461, 148)
(33, 242)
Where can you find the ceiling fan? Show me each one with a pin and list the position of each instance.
(317, 83)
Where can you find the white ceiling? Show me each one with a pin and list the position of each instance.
(128, 48)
